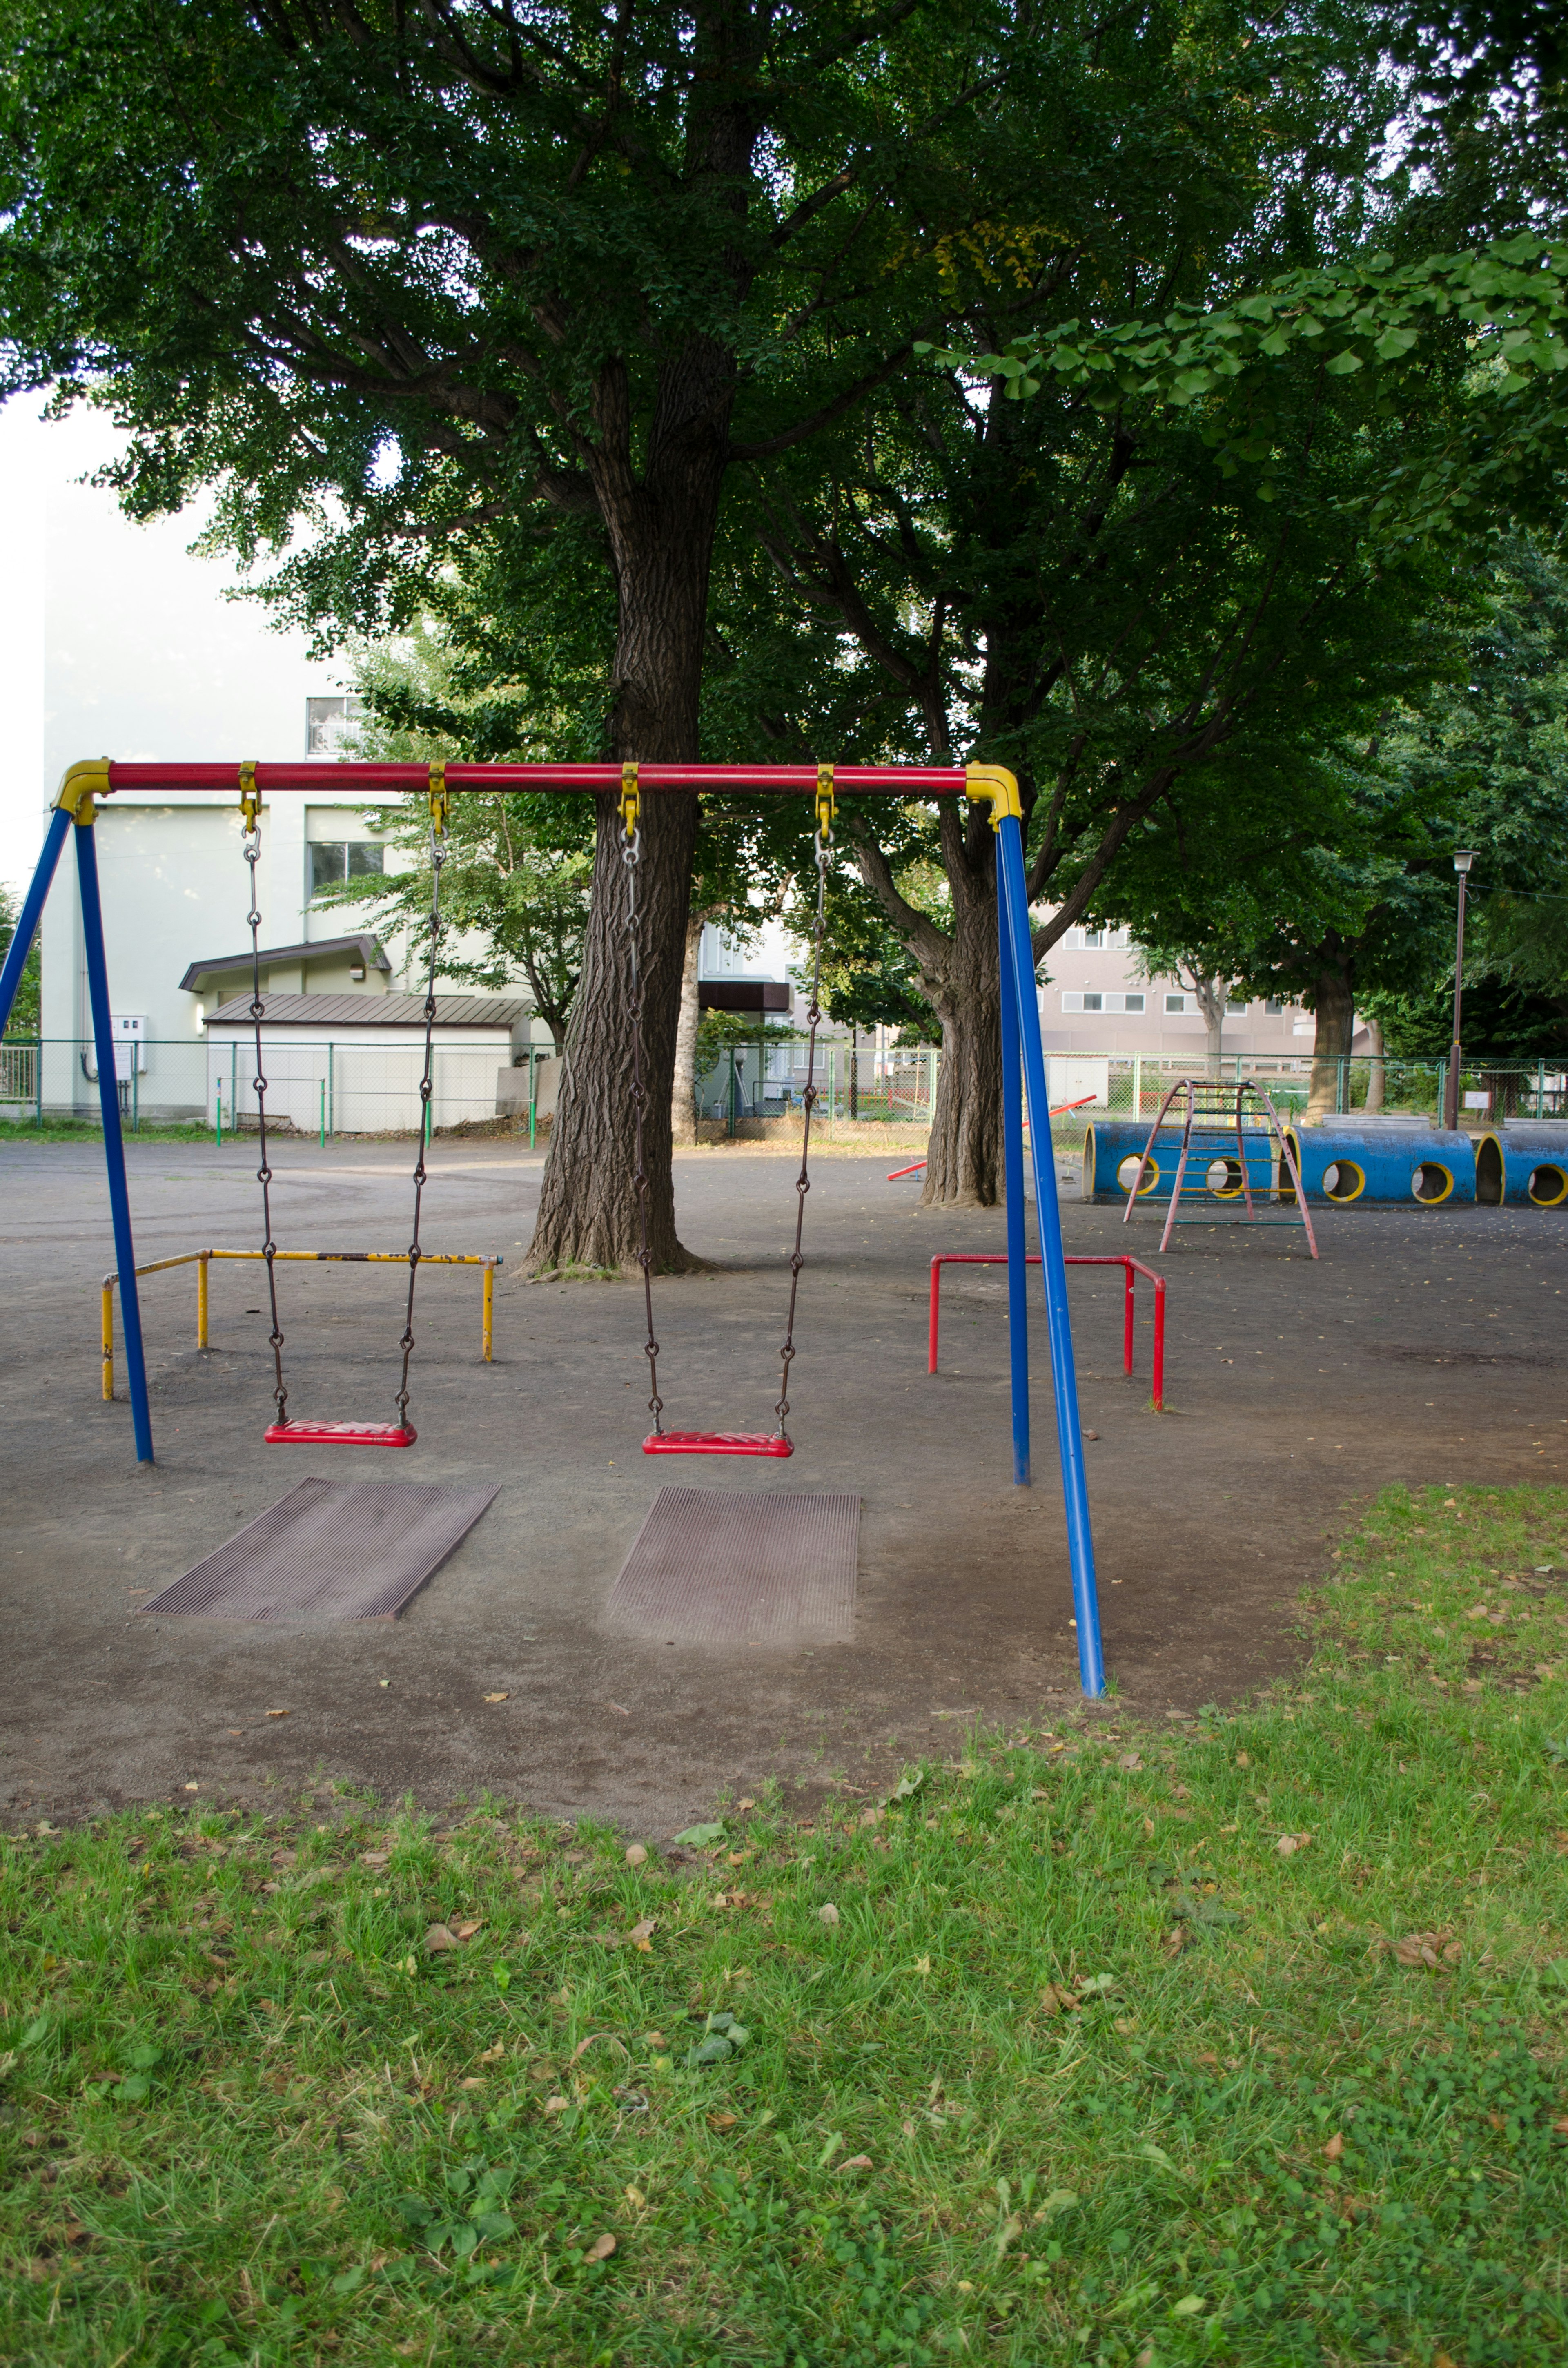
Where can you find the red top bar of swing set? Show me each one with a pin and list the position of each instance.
(317, 773)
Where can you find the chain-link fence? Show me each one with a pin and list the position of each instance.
(747, 1092)
(321, 1089)
(754, 1093)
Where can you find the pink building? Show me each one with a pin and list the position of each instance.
(1096, 1001)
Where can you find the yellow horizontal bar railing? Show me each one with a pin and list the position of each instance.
(201, 1259)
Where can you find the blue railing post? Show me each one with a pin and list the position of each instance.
(1070, 1438)
(114, 1142)
(1012, 1154)
(27, 921)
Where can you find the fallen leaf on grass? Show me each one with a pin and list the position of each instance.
(1175, 1940)
(1130, 1759)
(1054, 1999)
(492, 2055)
(1289, 1844)
(636, 1855)
(857, 2162)
(375, 1860)
(278, 1713)
(906, 1787)
(499, 1697)
(636, 2198)
(554, 2105)
(722, 2120)
(641, 1934)
(474, 2080)
(1427, 1949)
(441, 1936)
(701, 1837)
(1335, 2148)
(600, 2250)
(466, 1930)
(828, 1915)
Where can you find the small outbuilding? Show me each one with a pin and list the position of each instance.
(352, 1062)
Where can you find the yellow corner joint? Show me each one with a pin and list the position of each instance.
(250, 798)
(440, 797)
(998, 787)
(80, 784)
(631, 800)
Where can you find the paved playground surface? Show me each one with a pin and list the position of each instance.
(1425, 1345)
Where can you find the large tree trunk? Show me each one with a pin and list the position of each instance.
(660, 528)
(682, 1094)
(1334, 1002)
(1377, 1068)
(964, 1157)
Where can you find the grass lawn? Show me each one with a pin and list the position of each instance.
(1241, 2041)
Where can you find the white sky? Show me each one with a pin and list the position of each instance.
(114, 641)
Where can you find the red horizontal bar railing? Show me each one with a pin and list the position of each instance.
(897, 1174)
(319, 773)
(1130, 1266)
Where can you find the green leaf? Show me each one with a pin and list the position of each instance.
(131, 2090)
(716, 2050)
(143, 2058)
(907, 1786)
(34, 2033)
(1343, 364)
(700, 1836)
(350, 2280)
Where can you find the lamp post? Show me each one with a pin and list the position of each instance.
(1463, 857)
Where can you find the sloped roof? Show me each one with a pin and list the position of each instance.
(375, 1011)
(367, 949)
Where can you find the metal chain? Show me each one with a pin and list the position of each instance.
(251, 842)
(438, 857)
(803, 1182)
(632, 856)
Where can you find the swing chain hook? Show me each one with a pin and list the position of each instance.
(632, 856)
(826, 811)
(250, 841)
(438, 796)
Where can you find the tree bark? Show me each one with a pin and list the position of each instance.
(1334, 1002)
(1212, 996)
(1377, 1076)
(661, 528)
(964, 1164)
(682, 1094)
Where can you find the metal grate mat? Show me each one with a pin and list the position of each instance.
(709, 1567)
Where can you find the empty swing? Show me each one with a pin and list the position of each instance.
(659, 1440)
(285, 1432)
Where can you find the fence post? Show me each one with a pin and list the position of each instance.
(1137, 1085)
(38, 1077)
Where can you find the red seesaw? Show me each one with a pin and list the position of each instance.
(1130, 1266)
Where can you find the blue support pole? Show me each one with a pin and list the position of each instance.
(1013, 1154)
(32, 913)
(114, 1142)
(1021, 982)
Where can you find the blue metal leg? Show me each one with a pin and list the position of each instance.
(114, 1145)
(1013, 1151)
(1074, 1484)
(32, 913)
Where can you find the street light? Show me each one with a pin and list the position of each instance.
(1463, 857)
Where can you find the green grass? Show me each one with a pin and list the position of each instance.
(74, 1129)
(1084, 2068)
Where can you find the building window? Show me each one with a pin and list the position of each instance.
(1234, 1010)
(1132, 1003)
(329, 721)
(1274, 1007)
(1176, 1003)
(332, 860)
(1075, 1001)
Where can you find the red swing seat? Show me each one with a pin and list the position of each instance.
(341, 1434)
(716, 1443)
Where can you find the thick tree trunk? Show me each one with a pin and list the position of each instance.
(682, 1094)
(1334, 1002)
(1376, 1068)
(660, 528)
(964, 1157)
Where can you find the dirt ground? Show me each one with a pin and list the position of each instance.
(1294, 1391)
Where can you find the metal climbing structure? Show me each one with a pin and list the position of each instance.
(1233, 1166)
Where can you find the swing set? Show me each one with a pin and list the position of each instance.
(1023, 1069)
